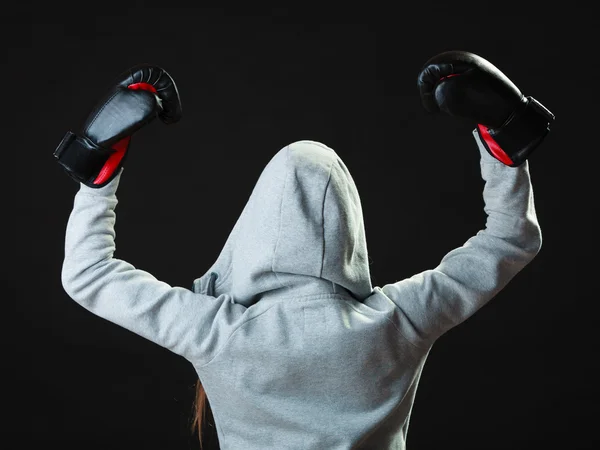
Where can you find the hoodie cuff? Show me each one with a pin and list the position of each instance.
(486, 158)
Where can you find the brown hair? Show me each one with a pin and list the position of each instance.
(199, 410)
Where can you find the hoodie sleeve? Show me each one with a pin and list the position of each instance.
(434, 301)
(172, 317)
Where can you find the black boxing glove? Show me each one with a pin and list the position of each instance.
(140, 94)
(465, 85)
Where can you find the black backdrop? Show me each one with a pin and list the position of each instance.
(517, 375)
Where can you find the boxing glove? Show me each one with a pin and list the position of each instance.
(95, 155)
(465, 85)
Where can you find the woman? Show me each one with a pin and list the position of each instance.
(293, 346)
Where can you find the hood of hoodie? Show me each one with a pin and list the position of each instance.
(300, 233)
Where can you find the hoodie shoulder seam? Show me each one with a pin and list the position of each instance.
(218, 352)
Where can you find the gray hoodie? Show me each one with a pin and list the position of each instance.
(293, 345)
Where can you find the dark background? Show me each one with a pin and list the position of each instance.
(520, 374)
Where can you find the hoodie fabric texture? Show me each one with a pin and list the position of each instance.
(293, 345)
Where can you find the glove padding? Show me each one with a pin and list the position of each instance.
(140, 94)
(465, 85)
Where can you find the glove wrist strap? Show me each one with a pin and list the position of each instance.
(81, 158)
(520, 135)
